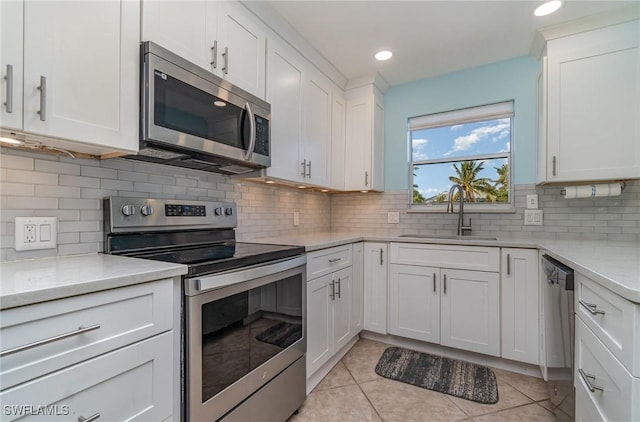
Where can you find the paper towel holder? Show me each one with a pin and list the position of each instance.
(623, 184)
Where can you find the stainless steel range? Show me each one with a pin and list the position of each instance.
(243, 336)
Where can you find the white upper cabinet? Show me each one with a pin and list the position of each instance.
(593, 104)
(364, 167)
(80, 65)
(11, 54)
(317, 129)
(221, 37)
(284, 93)
(338, 146)
(301, 117)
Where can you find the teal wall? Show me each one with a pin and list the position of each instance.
(514, 79)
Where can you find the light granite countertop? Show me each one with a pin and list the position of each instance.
(614, 265)
(38, 280)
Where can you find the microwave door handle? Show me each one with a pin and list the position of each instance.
(252, 132)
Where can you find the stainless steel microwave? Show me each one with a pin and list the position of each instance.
(192, 118)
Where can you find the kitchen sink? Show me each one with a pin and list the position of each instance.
(445, 236)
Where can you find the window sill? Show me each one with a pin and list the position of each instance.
(468, 209)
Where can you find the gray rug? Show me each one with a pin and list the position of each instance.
(450, 376)
(282, 334)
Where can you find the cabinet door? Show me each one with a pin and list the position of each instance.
(470, 317)
(375, 287)
(520, 303)
(284, 93)
(414, 302)
(241, 48)
(186, 28)
(358, 151)
(89, 98)
(317, 129)
(11, 52)
(377, 144)
(357, 292)
(342, 292)
(319, 322)
(338, 140)
(594, 104)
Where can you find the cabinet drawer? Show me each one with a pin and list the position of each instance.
(119, 317)
(614, 402)
(326, 261)
(477, 258)
(618, 327)
(134, 382)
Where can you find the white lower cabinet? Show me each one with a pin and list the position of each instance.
(357, 292)
(132, 383)
(458, 308)
(455, 308)
(375, 287)
(519, 283)
(606, 374)
(330, 304)
(107, 355)
(329, 317)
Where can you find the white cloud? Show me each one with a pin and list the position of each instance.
(456, 127)
(463, 143)
(418, 149)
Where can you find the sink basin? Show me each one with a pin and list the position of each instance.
(445, 236)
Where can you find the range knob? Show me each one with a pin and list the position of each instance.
(228, 211)
(218, 211)
(146, 210)
(128, 210)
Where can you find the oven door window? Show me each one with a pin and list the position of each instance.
(243, 331)
(187, 109)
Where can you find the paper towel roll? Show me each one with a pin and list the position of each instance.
(592, 191)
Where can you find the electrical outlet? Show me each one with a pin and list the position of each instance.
(533, 217)
(35, 233)
(29, 233)
(393, 217)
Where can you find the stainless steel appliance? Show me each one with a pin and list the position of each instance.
(558, 319)
(243, 307)
(192, 118)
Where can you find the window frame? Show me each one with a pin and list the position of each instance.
(493, 111)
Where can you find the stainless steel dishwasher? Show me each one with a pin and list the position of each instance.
(558, 319)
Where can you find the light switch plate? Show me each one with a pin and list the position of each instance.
(393, 217)
(533, 217)
(296, 218)
(532, 201)
(33, 233)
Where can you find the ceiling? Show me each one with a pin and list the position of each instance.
(428, 38)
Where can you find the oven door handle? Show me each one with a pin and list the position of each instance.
(195, 286)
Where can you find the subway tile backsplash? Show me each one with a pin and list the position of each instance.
(36, 184)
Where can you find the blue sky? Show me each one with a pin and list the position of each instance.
(451, 142)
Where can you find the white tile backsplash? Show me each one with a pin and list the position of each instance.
(36, 184)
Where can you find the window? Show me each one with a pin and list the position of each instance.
(470, 147)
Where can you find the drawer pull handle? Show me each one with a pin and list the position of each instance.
(585, 377)
(508, 264)
(89, 419)
(80, 330)
(332, 295)
(591, 307)
(381, 258)
(339, 288)
(43, 98)
(332, 260)
(9, 78)
(445, 283)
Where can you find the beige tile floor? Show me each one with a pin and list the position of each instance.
(352, 391)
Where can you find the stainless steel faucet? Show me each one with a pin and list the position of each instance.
(461, 226)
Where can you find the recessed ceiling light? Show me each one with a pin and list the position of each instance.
(219, 103)
(324, 190)
(547, 8)
(383, 55)
(271, 182)
(302, 187)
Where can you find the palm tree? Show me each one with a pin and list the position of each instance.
(501, 185)
(467, 178)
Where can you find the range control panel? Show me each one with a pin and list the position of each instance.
(147, 214)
